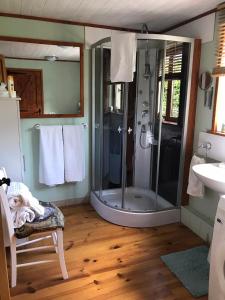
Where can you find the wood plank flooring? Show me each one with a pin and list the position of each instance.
(107, 261)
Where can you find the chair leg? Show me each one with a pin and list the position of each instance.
(55, 242)
(61, 253)
(13, 262)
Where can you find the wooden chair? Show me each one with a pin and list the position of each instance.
(56, 234)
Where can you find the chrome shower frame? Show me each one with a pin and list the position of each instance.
(145, 218)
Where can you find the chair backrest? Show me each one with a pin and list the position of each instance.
(5, 209)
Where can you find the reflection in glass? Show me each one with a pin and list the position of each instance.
(59, 80)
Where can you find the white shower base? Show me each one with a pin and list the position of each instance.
(135, 199)
(140, 208)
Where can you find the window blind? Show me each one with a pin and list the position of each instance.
(174, 56)
(219, 69)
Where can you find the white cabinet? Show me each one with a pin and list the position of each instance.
(10, 145)
(10, 139)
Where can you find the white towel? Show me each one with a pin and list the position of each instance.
(19, 189)
(22, 215)
(15, 188)
(123, 57)
(51, 162)
(195, 186)
(32, 202)
(74, 154)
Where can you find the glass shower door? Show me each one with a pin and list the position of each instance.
(173, 114)
(112, 130)
(144, 121)
(96, 118)
(154, 136)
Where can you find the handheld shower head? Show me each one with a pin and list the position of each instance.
(147, 74)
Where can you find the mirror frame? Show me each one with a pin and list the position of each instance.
(210, 82)
(61, 43)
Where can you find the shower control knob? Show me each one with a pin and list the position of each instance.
(129, 130)
(119, 129)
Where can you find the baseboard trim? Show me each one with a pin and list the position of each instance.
(73, 201)
(197, 223)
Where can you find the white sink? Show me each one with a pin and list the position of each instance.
(212, 176)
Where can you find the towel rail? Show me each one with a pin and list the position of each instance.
(37, 126)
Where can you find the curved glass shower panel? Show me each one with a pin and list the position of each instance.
(112, 136)
(138, 127)
(173, 119)
(97, 65)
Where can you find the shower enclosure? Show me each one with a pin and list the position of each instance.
(139, 132)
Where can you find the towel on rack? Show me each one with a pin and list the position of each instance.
(74, 154)
(51, 162)
(123, 57)
(195, 187)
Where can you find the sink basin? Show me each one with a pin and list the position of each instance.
(212, 175)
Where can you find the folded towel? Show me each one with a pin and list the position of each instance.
(16, 187)
(195, 187)
(22, 215)
(123, 57)
(74, 152)
(51, 162)
(19, 196)
(32, 202)
(49, 211)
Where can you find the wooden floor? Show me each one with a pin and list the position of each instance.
(106, 261)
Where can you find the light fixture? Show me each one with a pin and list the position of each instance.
(65, 47)
(51, 57)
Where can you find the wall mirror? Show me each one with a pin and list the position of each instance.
(48, 76)
(205, 84)
(205, 81)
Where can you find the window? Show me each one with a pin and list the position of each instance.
(171, 100)
(219, 107)
(172, 83)
(218, 125)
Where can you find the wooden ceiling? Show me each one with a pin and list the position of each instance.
(158, 14)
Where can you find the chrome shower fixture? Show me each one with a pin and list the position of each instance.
(144, 28)
(144, 113)
(145, 104)
(147, 73)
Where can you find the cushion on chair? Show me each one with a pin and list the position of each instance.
(56, 220)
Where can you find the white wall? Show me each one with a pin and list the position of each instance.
(200, 213)
(202, 28)
(93, 34)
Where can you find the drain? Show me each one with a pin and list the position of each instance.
(138, 197)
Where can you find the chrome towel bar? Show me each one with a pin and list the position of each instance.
(37, 126)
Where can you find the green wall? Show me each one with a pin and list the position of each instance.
(61, 32)
(208, 205)
(41, 30)
(54, 31)
(60, 96)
